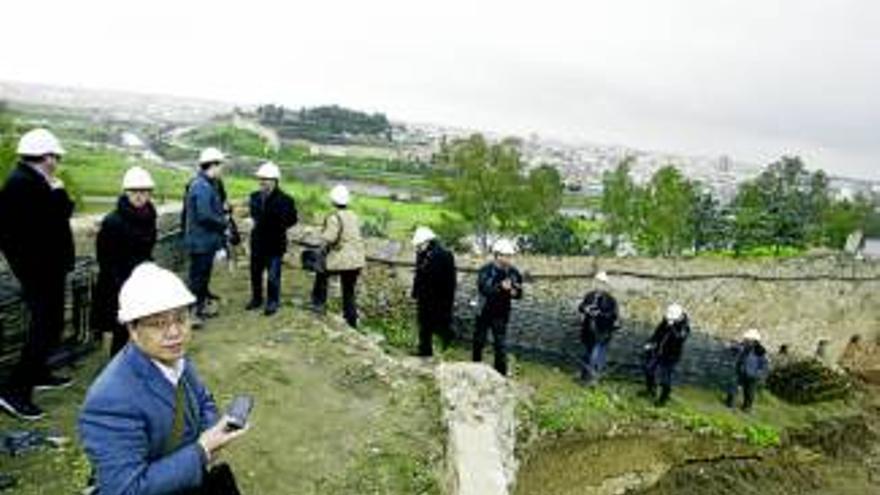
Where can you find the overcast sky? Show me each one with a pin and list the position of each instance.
(751, 78)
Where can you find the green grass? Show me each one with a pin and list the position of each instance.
(324, 421)
(756, 252)
(230, 139)
(562, 405)
(98, 173)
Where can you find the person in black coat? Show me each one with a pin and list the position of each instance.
(599, 310)
(752, 366)
(498, 282)
(37, 242)
(126, 239)
(663, 352)
(273, 212)
(433, 289)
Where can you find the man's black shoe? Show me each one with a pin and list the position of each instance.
(271, 309)
(52, 382)
(206, 313)
(20, 407)
(254, 304)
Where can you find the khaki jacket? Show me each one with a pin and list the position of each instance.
(342, 233)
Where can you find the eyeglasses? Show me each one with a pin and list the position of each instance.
(164, 322)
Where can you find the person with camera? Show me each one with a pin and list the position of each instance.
(663, 352)
(433, 289)
(498, 283)
(752, 366)
(273, 212)
(599, 311)
(149, 424)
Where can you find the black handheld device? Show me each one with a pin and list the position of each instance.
(238, 412)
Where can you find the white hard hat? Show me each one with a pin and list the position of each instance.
(422, 235)
(504, 247)
(269, 170)
(674, 312)
(339, 195)
(137, 178)
(752, 334)
(602, 277)
(149, 290)
(209, 155)
(39, 142)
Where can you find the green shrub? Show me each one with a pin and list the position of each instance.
(452, 231)
(375, 223)
(808, 382)
(231, 140)
(556, 237)
(763, 436)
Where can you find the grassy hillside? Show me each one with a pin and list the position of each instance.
(326, 420)
(98, 173)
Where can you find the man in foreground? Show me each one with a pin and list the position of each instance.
(149, 424)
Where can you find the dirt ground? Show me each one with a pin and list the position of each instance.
(326, 419)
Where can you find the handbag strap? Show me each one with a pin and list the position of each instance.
(341, 229)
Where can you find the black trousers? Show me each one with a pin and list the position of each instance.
(662, 370)
(498, 324)
(44, 299)
(433, 321)
(349, 296)
(200, 265)
(272, 265)
(749, 386)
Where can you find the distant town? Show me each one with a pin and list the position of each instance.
(581, 165)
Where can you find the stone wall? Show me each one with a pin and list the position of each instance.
(793, 302)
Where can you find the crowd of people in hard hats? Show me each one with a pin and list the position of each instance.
(149, 424)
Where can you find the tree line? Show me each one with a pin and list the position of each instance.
(786, 206)
(490, 191)
(325, 124)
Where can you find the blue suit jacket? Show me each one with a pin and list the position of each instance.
(126, 422)
(205, 227)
